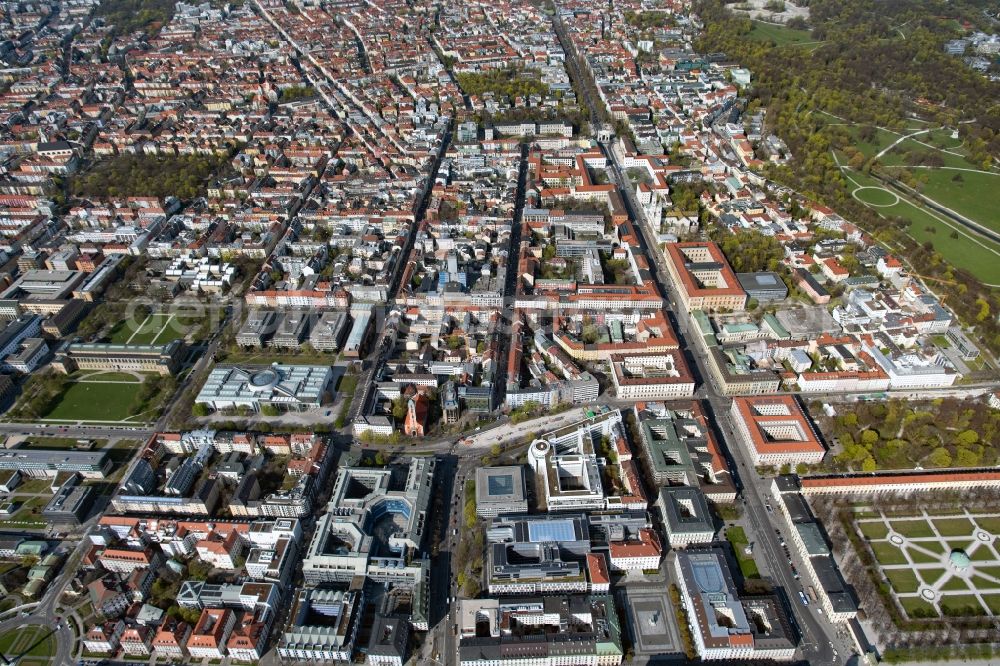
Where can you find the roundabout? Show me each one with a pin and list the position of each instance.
(877, 197)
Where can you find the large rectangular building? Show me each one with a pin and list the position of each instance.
(680, 449)
(775, 431)
(723, 625)
(686, 517)
(291, 387)
(39, 463)
(500, 490)
(703, 277)
(565, 463)
(810, 542)
(659, 376)
(540, 631)
(160, 359)
(538, 554)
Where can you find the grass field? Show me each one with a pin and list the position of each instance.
(26, 517)
(977, 255)
(83, 401)
(917, 607)
(930, 576)
(975, 195)
(738, 538)
(779, 34)
(156, 329)
(921, 557)
(903, 580)
(961, 604)
(887, 553)
(992, 602)
(913, 528)
(876, 530)
(950, 527)
(32, 642)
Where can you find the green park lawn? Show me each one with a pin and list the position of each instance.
(157, 328)
(920, 557)
(914, 529)
(876, 197)
(887, 553)
(27, 642)
(993, 602)
(779, 34)
(989, 523)
(960, 604)
(983, 262)
(874, 530)
(83, 401)
(954, 584)
(738, 538)
(976, 195)
(916, 604)
(903, 581)
(952, 527)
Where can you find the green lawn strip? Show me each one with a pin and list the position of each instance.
(883, 139)
(874, 530)
(903, 580)
(170, 333)
(149, 329)
(898, 155)
(122, 331)
(933, 546)
(876, 197)
(29, 641)
(959, 544)
(913, 529)
(49, 443)
(32, 486)
(887, 553)
(960, 604)
(917, 607)
(738, 538)
(983, 585)
(953, 527)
